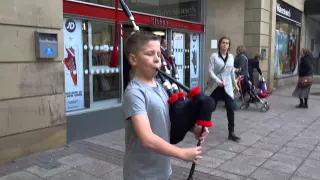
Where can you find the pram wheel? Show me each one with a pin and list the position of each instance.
(265, 107)
(244, 106)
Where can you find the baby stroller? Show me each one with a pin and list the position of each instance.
(250, 95)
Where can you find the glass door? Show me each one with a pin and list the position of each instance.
(105, 81)
(186, 50)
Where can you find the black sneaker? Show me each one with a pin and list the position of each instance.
(233, 137)
(300, 106)
(305, 106)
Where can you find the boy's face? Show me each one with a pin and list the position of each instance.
(147, 60)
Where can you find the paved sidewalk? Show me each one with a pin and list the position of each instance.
(281, 144)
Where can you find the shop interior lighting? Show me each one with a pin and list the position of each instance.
(159, 33)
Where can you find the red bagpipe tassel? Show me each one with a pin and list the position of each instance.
(180, 95)
(195, 91)
(175, 97)
(114, 61)
(204, 123)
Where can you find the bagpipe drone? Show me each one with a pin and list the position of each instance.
(186, 111)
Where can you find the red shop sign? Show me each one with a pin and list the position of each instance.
(81, 9)
(158, 21)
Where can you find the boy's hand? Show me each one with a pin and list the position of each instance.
(191, 154)
(197, 133)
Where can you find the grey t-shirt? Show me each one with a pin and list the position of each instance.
(141, 163)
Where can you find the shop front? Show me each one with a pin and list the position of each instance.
(93, 88)
(312, 39)
(287, 40)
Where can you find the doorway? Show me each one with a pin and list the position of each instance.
(127, 29)
(186, 50)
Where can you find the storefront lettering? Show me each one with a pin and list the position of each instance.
(177, 12)
(159, 21)
(283, 11)
(156, 21)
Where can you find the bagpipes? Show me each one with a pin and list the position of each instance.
(186, 111)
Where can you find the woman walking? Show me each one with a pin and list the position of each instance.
(254, 64)
(305, 79)
(222, 80)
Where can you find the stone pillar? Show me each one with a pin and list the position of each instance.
(224, 18)
(257, 34)
(32, 100)
(271, 52)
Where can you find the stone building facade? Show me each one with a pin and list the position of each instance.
(32, 113)
(252, 23)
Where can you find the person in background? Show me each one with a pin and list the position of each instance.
(222, 80)
(241, 61)
(254, 64)
(164, 45)
(305, 75)
(241, 66)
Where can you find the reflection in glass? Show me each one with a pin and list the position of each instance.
(189, 10)
(101, 2)
(106, 80)
(286, 50)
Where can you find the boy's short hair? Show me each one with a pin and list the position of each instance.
(136, 40)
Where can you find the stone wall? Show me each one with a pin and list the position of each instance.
(32, 105)
(224, 18)
(257, 32)
(299, 4)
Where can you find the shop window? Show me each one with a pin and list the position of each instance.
(186, 50)
(94, 84)
(105, 80)
(189, 10)
(286, 50)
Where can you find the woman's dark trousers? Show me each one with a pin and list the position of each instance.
(219, 94)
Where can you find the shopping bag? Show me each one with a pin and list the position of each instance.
(262, 84)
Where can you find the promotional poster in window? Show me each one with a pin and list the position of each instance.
(73, 61)
(194, 60)
(178, 53)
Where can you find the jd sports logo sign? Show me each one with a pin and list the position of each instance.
(70, 25)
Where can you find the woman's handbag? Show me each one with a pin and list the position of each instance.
(305, 81)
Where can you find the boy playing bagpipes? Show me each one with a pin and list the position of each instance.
(147, 123)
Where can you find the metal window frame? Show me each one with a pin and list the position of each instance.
(203, 37)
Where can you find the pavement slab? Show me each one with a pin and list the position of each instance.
(281, 144)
